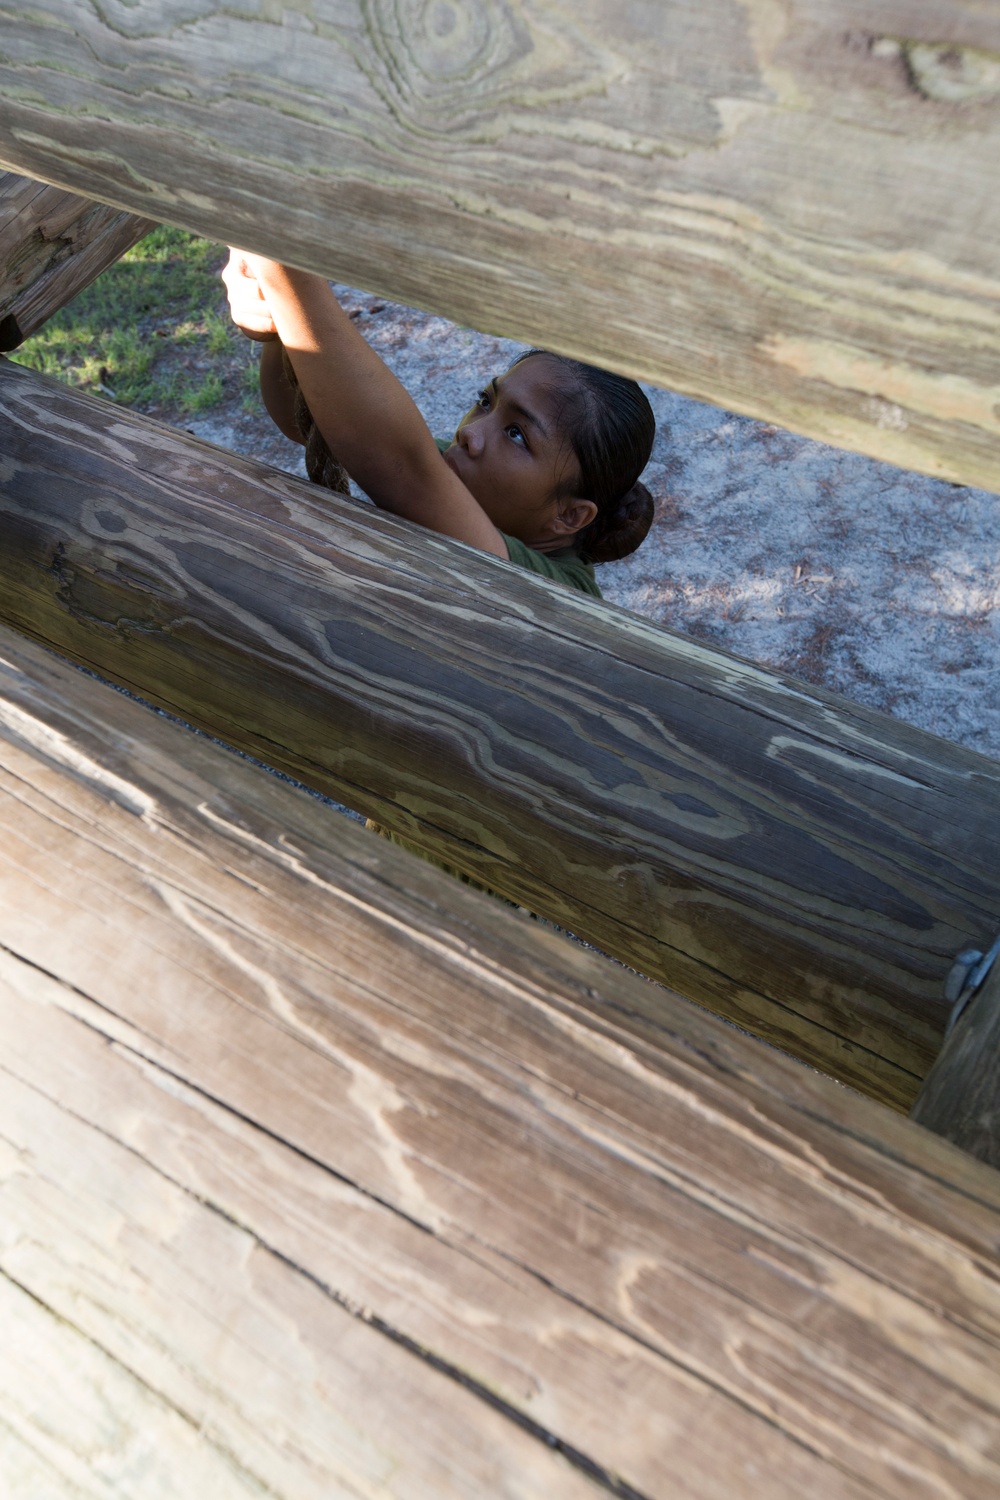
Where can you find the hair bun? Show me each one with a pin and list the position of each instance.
(615, 534)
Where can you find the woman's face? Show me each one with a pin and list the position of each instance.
(510, 452)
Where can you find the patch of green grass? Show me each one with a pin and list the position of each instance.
(252, 402)
(206, 395)
(153, 332)
(219, 333)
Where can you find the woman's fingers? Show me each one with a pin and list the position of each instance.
(256, 266)
(247, 304)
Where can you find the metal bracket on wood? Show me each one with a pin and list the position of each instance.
(964, 978)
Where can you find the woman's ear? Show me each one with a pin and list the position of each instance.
(573, 516)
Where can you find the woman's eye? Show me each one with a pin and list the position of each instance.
(516, 434)
(483, 400)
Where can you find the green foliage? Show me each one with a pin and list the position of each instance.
(153, 332)
(252, 403)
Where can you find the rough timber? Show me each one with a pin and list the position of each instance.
(52, 245)
(323, 1175)
(802, 865)
(792, 210)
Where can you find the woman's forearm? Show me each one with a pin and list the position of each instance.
(276, 391)
(367, 418)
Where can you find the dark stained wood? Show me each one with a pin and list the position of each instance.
(322, 1174)
(797, 863)
(792, 210)
(960, 1097)
(52, 245)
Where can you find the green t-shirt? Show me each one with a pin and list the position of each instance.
(561, 567)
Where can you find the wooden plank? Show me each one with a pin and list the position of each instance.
(790, 210)
(359, 1177)
(52, 245)
(804, 866)
(960, 1097)
(231, 1373)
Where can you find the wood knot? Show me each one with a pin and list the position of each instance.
(950, 74)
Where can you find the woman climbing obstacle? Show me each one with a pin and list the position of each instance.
(543, 469)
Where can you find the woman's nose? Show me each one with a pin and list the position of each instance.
(471, 436)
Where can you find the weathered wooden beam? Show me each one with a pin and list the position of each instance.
(790, 210)
(804, 866)
(960, 1097)
(52, 245)
(322, 1174)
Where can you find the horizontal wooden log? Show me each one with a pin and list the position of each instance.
(960, 1097)
(52, 245)
(790, 210)
(802, 865)
(321, 1174)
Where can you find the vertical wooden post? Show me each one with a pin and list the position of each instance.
(960, 1097)
(52, 245)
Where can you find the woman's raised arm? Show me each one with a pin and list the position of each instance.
(365, 415)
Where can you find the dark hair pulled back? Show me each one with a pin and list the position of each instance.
(610, 427)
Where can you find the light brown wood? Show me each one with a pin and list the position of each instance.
(960, 1097)
(52, 245)
(322, 1174)
(792, 210)
(799, 864)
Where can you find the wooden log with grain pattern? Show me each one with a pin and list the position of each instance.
(798, 863)
(52, 245)
(960, 1097)
(322, 1175)
(791, 210)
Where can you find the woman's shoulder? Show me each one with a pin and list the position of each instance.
(562, 567)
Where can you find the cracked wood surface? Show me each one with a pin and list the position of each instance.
(321, 1175)
(52, 245)
(798, 863)
(792, 210)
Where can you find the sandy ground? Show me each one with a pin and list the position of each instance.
(870, 580)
